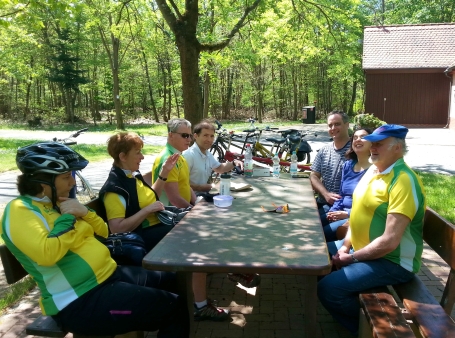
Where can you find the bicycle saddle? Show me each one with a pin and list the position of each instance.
(276, 140)
(294, 138)
(285, 133)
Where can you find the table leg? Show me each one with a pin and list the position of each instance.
(310, 298)
(185, 290)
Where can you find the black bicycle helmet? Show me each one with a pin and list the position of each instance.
(48, 157)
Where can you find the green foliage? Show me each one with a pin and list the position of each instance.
(440, 197)
(367, 121)
(66, 70)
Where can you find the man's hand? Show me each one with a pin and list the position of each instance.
(238, 163)
(341, 259)
(72, 206)
(331, 197)
(333, 216)
(169, 164)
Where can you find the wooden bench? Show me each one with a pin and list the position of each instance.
(380, 314)
(45, 326)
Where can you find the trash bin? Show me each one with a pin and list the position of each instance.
(309, 114)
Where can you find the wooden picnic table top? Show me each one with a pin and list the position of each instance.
(244, 238)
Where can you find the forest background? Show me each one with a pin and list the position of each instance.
(78, 61)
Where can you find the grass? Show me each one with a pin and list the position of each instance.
(439, 194)
(16, 291)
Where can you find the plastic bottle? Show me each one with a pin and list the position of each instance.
(225, 184)
(293, 168)
(276, 165)
(248, 164)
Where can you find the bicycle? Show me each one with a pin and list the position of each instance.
(83, 190)
(224, 140)
(291, 140)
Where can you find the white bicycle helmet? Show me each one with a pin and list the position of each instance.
(48, 157)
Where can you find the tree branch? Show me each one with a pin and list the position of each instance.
(16, 11)
(167, 14)
(235, 30)
(174, 6)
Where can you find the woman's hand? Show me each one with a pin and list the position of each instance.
(333, 216)
(155, 207)
(169, 164)
(72, 206)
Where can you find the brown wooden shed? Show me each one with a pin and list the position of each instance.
(406, 73)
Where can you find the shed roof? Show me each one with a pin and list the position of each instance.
(409, 46)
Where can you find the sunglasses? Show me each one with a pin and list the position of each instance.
(184, 135)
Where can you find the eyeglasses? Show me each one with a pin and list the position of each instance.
(184, 135)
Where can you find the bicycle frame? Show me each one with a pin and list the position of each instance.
(223, 143)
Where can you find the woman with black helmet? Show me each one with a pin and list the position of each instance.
(82, 288)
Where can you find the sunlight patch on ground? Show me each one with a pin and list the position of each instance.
(238, 319)
(243, 309)
(250, 291)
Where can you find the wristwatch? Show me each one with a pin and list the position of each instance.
(355, 260)
(162, 178)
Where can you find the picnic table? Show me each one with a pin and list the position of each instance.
(243, 238)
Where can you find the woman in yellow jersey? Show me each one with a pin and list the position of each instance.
(82, 288)
(131, 203)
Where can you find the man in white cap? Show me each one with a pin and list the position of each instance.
(384, 243)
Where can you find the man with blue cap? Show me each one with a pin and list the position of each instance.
(384, 243)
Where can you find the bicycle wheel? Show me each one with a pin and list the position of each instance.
(84, 191)
(218, 153)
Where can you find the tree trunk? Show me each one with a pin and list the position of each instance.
(230, 79)
(149, 85)
(116, 89)
(164, 90)
(353, 96)
(205, 112)
(275, 105)
(294, 92)
(192, 95)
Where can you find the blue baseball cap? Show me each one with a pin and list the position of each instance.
(387, 130)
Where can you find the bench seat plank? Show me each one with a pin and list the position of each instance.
(44, 326)
(384, 315)
(427, 313)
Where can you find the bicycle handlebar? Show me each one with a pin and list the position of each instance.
(77, 133)
(74, 135)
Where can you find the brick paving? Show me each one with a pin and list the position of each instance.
(272, 310)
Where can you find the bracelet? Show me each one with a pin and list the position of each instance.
(355, 260)
(164, 179)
